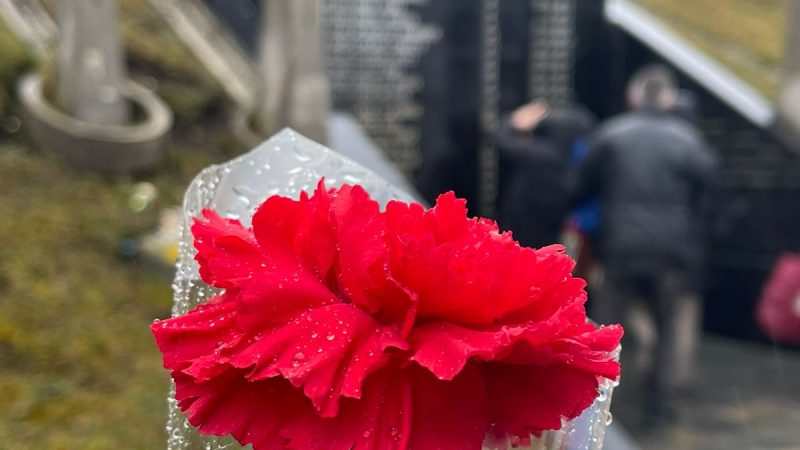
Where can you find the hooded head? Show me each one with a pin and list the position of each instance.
(653, 87)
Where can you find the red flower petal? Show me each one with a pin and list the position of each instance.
(328, 351)
(253, 413)
(184, 339)
(555, 287)
(362, 269)
(359, 231)
(402, 409)
(529, 399)
(379, 421)
(449, 415)
(445, 348)
(227, 251)
(272, 298)
(337, 229)
(464, 270)
(588, 350)
(298, 231)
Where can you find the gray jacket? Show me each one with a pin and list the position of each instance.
(651, 172)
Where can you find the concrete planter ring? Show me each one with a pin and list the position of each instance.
(104, 148)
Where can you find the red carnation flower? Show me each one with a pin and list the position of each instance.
(344, 327)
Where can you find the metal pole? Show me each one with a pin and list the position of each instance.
(490, 97)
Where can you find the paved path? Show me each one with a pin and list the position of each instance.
(746, 396)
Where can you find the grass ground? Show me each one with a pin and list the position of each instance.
(747, 36)
(78, 367)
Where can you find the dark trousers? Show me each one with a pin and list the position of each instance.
(674, 307)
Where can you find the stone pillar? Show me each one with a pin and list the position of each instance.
(295, 89)
(91, 69)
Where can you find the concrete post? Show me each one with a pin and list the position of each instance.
(90, 62)
(295, 89)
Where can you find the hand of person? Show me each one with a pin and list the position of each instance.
(527, 117)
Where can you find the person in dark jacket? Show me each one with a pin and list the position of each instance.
(651, 170)
(535, 145)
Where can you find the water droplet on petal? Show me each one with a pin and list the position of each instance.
(330, 337)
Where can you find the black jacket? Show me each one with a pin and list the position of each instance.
(535, 187)
(652, 172)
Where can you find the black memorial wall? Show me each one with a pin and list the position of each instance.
(756, 212)
(756, 207)
(450, 128)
